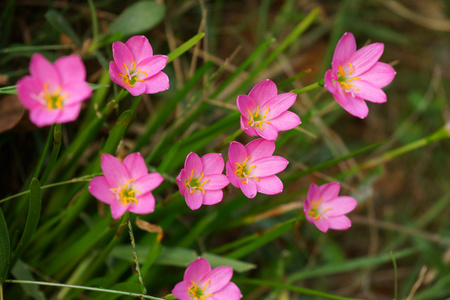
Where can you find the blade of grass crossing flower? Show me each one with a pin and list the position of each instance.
(60, 24)
(4, 248)
(293, 288)
(166, 109)
(57, 135)
(11, 90)
(34, 213)
(185, 47)
(349, 265)
(293, 36)
(265, 238)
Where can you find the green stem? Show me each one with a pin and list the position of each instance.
(136, 259)
(395, 275)
(73, 180)
(94, 21)
(44, 153)
(87, 288)
(297, 289)
(308, 88)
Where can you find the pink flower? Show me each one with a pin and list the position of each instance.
(264, 113)
(252, 168)
(201, 181)
(126, 185)
(202, 283)
(53, 92)
(136, 68)
(325, 209)
(356, 76)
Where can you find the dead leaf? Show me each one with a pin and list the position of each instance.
(11, 111)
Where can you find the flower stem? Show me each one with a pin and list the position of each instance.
(136, 260)
(82, 288)
(308, 88)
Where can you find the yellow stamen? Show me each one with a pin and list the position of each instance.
(257, 109)
(204, 288)
(265, 115)
(351, 68)
(127, 196)
(200, 179)
(341, 71)
(354, 79)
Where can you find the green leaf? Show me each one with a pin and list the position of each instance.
(11, 90)
(4, 248)
(21, 272)
(138, 18)
(237, 265)
(61, 25)
(34, 213)
(185, 47)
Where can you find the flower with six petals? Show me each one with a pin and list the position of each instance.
(264, 113)
(201, 181)
(325, 209)
(202, 283)
(252, 167)
(356, 76)
(125, 186)
(136, 69)
(53, 92)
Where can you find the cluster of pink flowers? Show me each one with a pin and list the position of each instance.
(54, 94)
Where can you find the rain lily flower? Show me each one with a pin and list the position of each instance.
(201, 181)
(356, 76)
(252, 167)
(126, 185)
(136, 69)
(325, 209)
(264, 113)
(202, 283)
(53, 92)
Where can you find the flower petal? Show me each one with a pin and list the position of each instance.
(268, 131)
(122, 57)
(181, 291)
(118, 209)
(380, 75)
(69, 113)
(249, 188)
(181, 179)
(71, 69)
(77, 91)
(215, 182)
(279, 105)
(263, 92)
(286, 121)
(247, 128)
(237, 153)
(229, 292)
(270, 185)
(260, 148)
(340, 206)
(212, 197)
(28, 88)
(99, 188)
(268, 166)
(135, 165)
(114, 171)
(369, 92)
(354, 105)
(329, 191)
(139, 47)
(339, 223)
(147, 183)
(230, 169)
(194, 200)
(45, 71)
(245, 104)
(313, 193)
(344, 48)
(193, 162)
(328, 82)
(365, 58)
(218, 278)
(145, 204)
(152, 65)
(137, 89)
(196, 270)
(157, 83)
(322, 224)
(212, 163)
(41, 116)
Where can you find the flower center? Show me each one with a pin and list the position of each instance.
(255, 120)
(344, 81)
(242, 172)
(53, 100)
(132, 76)
(126, 194)
(314, 211)
(197, 184)
(197, 294)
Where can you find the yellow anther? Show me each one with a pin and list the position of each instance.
(249, 170)
(128, 182)
(344, 85)
(200, 179)
(353, 79)
(55, 99)
(265, 115)
(341, 71)
(257, 110)
(204, 288)
(316, 203)
(351, 68)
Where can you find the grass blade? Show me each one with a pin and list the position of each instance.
(185, 47)
(4, 248)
